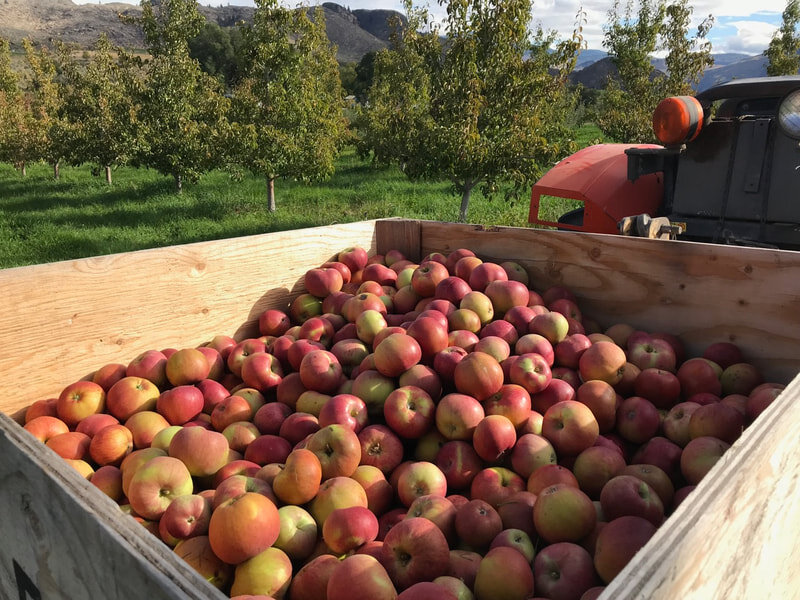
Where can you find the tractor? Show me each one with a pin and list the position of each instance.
(727, 171)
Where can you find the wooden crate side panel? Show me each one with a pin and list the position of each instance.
(62, 538)
(67, 319)
(736, 535)
(399, 234)
(703, 292)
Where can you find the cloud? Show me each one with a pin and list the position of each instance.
(752, 37)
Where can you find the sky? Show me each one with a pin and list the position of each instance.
(738, 27)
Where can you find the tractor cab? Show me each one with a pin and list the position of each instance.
(727, 171)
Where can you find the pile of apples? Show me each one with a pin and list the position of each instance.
(434, 430)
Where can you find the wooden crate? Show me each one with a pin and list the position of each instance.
(59, 537)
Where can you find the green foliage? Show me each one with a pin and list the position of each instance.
(624, 111)
(782, 53)
(12, 111)
(100, 106)
(218, 50)
(287, 108)
(183, 110)
(473, 109)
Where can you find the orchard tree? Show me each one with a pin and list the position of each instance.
(44, 129)
(631, 38)
(488, 104)
(287, 108)
(182, 108)
(783, 52)
(101, 108)
(12, 111)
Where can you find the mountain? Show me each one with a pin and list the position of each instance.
(727, 66)
(353, 32)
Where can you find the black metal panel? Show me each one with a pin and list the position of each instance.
(748, 186)
(702, 172)
(784, 201)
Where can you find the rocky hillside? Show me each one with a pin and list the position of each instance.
(353, 32)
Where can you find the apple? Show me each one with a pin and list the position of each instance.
(506, 294)
(180, 404)
(595, 466)
(273, 322)
(570, 427)
(298, 532)
(430, 590)
(563, 513)
(323, 281)
(484, 273)
(151, 365)
(196, 551)
(380, 447)
(346, 529)
(716, 420)
(108, 479)
(267, 574)
(628, 495)
(94, 423)
(724, 354)
(298, 426)
(420, 478)
(270, 417)
(493, 345)
(551, 325)
(187, 516)
(45, 427)
(397, 353)
(445, 361)
(661, 452)
(232, 409)
(480, 304)
(699, 456)
(107, 375)
(241, 351)
(760, 398)
(602, 400)
(156, 483)
(698, 375)
(203, 452)
(415, 550)
(516, 512)
(618, 542)
(504, 574)
(304, 307)
(359, 577)
(511, 401)
(459, 463)
(604, 361)
(311, 580)
(567, 352)
(478, 375)
(409, 411)
(557, 390)
(110, 445)
(638, 420)
(477, 523)
(532, 372)
(380, 492)
(71, 445)
(79, 400)
(430, 334)
(494, 437)
(563, 570)
(457, 416)
(495, 485)
(740, 378)
(652, 353)
(235, 467)
(262, 371)
(656, 478)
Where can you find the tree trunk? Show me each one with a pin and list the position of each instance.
(56, 169)
(23, 168)
(178, 183)
(271, 194)
(465, 194)
(108, 174)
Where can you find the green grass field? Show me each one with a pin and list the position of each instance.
(44, 220)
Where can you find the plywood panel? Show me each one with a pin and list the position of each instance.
(63, 320)
(703, 292)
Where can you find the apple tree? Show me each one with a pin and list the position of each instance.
(43, 126)
(625, 107)
(783, 52)
(100, 105)
(183, 109)
(287, 107)
(487, 104)
(12, 111)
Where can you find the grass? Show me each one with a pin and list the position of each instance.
(44, 220)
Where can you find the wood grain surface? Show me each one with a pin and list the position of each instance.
(62, 538)
(63, 320)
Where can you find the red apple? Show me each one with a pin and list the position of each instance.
(415, 550)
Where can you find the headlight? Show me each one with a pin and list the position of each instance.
(789, 114)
